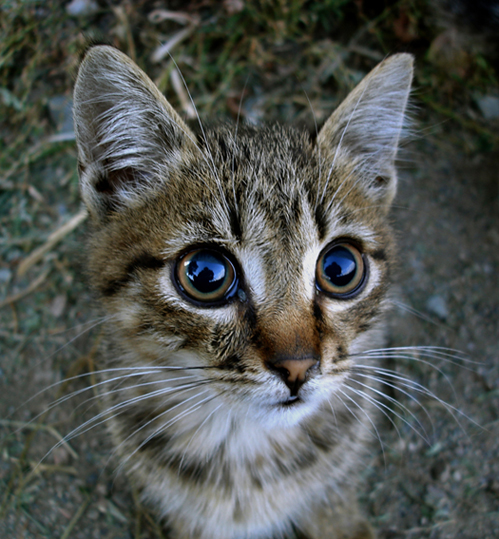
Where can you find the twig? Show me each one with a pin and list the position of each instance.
(160, 15)
(38, 426)
(365, 51)
(31, 288)
(83, 507)
(6, 185)
(122, 16)
(166, 48)
(32, 154)
(53, 468)
(52, 240)
(182, 95)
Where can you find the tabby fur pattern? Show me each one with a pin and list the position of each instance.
(203, 419)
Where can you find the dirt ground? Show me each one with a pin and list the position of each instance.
(445, 486)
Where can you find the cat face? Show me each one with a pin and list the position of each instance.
(242, 270)
(259, 258)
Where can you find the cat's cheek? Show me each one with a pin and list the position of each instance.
(368, 340)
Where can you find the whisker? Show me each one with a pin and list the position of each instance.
(195, 432)
(316, 136)
(395, 354)
(93, 324)
(338, 150)
(358, 180)
(418, 314)
(419, 388)
(129, 387)
(235, 145)
(194, 408)
(379, 406)
(396, 403)
(334, 411)
(96, 420)
(142, 371)
(205, 138)
(367, 416)
(436, 351)
(95, 321)
(445, 355)
(159, 405)
(64, 398)
(440, 371)
(382, 380)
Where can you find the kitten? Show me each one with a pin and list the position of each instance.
(244, 272)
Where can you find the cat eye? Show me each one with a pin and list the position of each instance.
(341, 271)
(206, 276)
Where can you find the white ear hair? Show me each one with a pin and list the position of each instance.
(365, 129)
(128, 135)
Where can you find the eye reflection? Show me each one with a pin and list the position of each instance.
(206, 275)
(341, 270)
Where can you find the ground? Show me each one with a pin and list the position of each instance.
(434, 471)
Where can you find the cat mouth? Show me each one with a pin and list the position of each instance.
(291, 402)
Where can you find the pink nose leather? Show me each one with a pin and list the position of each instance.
(296, 369)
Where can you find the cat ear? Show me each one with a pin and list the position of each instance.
(129, 138)
(362, 135)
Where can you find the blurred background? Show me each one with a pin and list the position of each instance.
(434, 472)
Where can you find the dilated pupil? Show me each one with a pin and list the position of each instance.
(206, 272)
(340, 266)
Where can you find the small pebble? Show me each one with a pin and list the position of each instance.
(438, 306)
(82, 8)
(5, 275)
(489, 106)
(61, 112)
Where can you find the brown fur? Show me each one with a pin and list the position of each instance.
(199, 407)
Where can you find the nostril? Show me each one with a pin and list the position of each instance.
(282, 372)
(293, 371)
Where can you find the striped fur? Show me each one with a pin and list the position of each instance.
(201, 423)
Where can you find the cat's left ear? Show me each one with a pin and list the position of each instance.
(362, 135)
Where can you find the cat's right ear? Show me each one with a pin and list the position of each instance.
(129, 137)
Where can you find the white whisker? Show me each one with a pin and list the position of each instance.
(107, 414)
(419, 388)
(196, 431)
(136, 371)
(419, 314)
(376, 431)
(396, 403)
(382, 380)
(380, 406)
(205, 138)
(194, 408)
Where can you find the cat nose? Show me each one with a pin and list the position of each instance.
(293, 371)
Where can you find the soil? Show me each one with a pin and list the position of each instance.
(447, 486)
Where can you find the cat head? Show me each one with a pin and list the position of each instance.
(257, 253)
